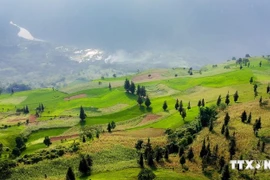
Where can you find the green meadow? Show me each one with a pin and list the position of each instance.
(113, 153)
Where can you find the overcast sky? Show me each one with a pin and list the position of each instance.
(210, 28)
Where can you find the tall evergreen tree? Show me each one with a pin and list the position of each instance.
(211, 126)
(182, 160)
(138, 92)
(235, 96)
(82, 114)
(70, 174)
(141, 161)
(181, 151)
(227, 100)
(184, 114)
(219, 100)
(176, 104)
(249, 118)
(226, 119)
(199, 103)
(225, 175)
(221, 163)
(165, 106)
(268, 89)
(203, 149)
(83, 166)
(189, 107)
(180, 108)
(190, 154)
(203, 103)
(232, 147)
(255, 87)
(140, 100)
(109, 128)
(227, 133)
(127, 85)
(132, 88)
(244, 116)
(263, 147)
(147, 102)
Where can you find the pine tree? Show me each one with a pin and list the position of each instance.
(165, 106)
(255, 87)
(244, 116)
(235, 96)
(147, 102)
(127, 85)
(190, 154)
(176, 104)
(227, 100)
(189, 107)
(70, 174)
(140, 100)
(180, 109)
(227, 133)
(226, 119)
(268, 89)
(83, 140)
(223, 129)
(184, 114)
(225, 173)
(249, 118)
(82, 114)
(203, 149)
(109, 128)
(203, 103)
(141, 161)
(132, 88)
(138, 92)
(83, 166)
(211, 126)
(232, 146)
(150, 161)
(260, 101)
(199, 103)
(182, 160)
(221, 163)
(219, 100)
(181, 151)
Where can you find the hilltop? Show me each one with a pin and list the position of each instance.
(30, 116)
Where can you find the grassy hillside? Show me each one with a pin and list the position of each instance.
(113, 153)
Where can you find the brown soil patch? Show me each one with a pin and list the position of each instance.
(57, 138)
(32, 119)
(145, 77)
(75, 97)
(149, 118)
(140, 133)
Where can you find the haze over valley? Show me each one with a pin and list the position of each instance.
(120, 37)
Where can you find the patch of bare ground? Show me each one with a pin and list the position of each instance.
(147, 77)
(149, 118)
(32, 119)
(75, 97)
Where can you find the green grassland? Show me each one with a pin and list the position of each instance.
(113, 153)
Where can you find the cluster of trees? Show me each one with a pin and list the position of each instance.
(85, 168)
(148, 154)
(131, 88)
(20, 146)
(24, 110)
(179, 106)
(146, 101)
